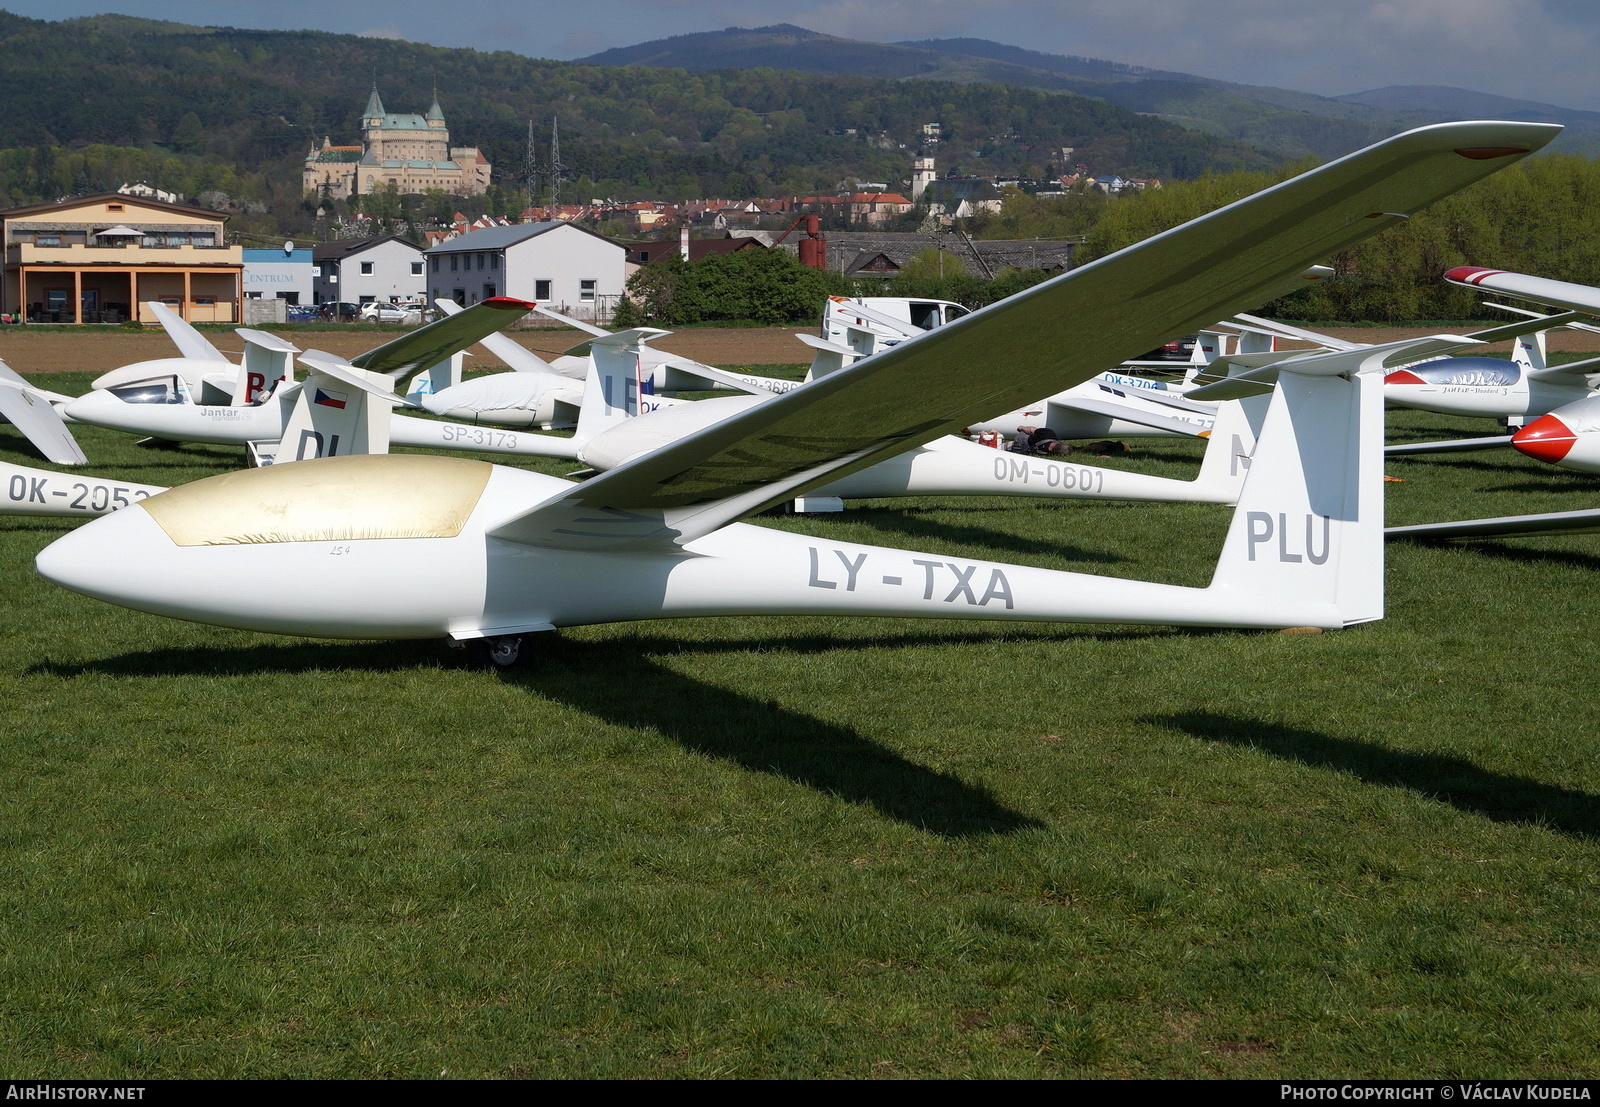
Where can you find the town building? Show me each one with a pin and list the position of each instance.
(883, 253)
(99, 259)
(641, 254)
(283, 274)
(557, 264)
(962, 197)
(865, 209)
(360, 270)
(410, 152)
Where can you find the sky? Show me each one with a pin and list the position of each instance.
(1531, 49)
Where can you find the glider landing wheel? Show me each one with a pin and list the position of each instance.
(505, 651)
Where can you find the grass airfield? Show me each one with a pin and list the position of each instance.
(802, 847)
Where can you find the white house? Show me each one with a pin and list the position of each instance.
(572, 270)
(278, 274)
(361, 270)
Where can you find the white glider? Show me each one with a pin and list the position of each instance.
(611, 433)
(27, 491)
(162, 406)
(505, 552)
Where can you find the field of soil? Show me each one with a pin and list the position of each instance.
(98, 349)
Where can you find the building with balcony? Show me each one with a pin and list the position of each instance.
(99, 259)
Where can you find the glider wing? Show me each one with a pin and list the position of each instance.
(1037, 343)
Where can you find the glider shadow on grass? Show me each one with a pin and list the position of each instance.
(1453, 780)
(615, 682)
(620, 683)
(1525, 555)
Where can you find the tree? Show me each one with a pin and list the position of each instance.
(190, 136)
(932, 264)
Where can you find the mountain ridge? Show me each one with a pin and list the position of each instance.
(1289, 122)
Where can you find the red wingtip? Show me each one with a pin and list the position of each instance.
(509, 303)
(1546, 439)
(1402, 376)
(1469, 274)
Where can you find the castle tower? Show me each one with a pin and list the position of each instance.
(373, 116)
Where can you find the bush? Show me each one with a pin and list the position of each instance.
(763, 286)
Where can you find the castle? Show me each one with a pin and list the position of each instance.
(411, 152)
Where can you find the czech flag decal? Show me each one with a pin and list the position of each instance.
(330, 399)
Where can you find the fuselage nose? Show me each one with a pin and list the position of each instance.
(113, 558)
(1545, 439)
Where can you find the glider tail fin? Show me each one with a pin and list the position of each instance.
(332, 419)
(1232, 442)
(1309, 524)
(268, 360)
(611, 392)
(438, 377)
(1529, 352)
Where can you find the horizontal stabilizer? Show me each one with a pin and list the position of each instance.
(823, 344)
(712, 375)
(266, 340)
(1567, 320)
(331, 365)
(872, 315)
(1239, 366)
(1538, 322)
(616, 340)
(1285, 330)
(1585, 368)
(1325, 363)
(1128, 413)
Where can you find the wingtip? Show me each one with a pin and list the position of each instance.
(1469, 274)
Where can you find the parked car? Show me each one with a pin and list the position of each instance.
(391, 313)
(338, 309)
(1179, 349)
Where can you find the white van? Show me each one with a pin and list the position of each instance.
(899, 317)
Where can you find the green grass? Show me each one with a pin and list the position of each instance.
(773, 847)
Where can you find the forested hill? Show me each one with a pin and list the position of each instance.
(1284, 121)
(261, 98)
